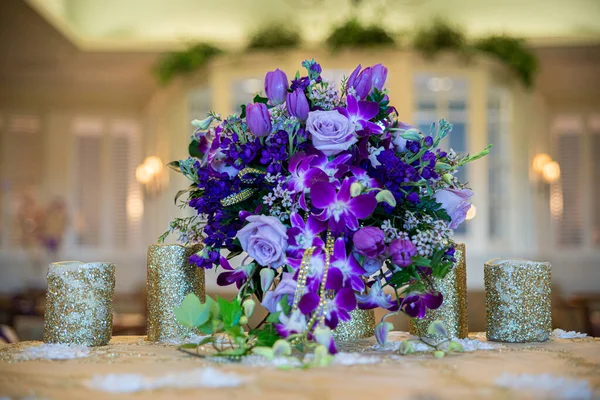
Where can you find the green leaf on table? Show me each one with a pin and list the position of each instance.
(238, 351)
(231, 311)
(437, 328)
(406, 347)
(189, 346)
(264, 351)
(455, 346)
(192, 312)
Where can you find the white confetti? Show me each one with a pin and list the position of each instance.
(552, 386)
(54, 352)
(195, 378)
(561, 334)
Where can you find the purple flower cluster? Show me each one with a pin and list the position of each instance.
(341, 199)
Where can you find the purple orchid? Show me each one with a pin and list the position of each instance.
(344, 270)
(339, 208)
(416, 304)
(304, 234)
(359, 113)
(304, 175)
(376, 298)
(289, 325)
(323, 336)
(232, 275)
(334, 169)
(287, 286)
(363, 178)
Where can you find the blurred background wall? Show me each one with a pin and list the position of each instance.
(80, 111)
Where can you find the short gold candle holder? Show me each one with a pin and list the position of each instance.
(518, 300)
(360, 326)
(79, 303)
(453, 311)
(170, 278)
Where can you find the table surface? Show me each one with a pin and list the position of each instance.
(466, 375)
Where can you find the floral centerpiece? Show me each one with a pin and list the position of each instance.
(330, 202)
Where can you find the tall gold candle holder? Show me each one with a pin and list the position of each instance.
(170, 278)
(453, 311)
(360, 326)
(518, 300)
(79, 303)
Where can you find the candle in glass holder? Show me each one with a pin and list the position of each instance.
(79, 303)
(453, 311)
(518, 300)
(170, 278)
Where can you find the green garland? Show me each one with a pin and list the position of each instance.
(513, 53)
(352, 34)
(182, 62)
(274, 37)
(439, 36)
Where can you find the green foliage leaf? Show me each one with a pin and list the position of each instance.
(274, 317)
(174, 165)
(192, 312)
(285, 305)
(230, 311)
(233, 352)
(354, 34)
(275, 36)
(514, 53)
(266, 336)
(193, 149)
(189, 346)
(182, 62)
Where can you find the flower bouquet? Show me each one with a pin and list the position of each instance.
(330, 202)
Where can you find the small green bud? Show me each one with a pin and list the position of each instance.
(282, 348)
(243, 320)
(202, 124)
(455, 346)
(442, 166)
(249, 307)
(356, 189)
(387, 197)
(448, 178)
(412, 134)
(266, 352)
(439, 354)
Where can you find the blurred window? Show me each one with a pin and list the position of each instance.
(243, 91)
(595, 151)
(439, 97)
(199, 105)
(108, 202)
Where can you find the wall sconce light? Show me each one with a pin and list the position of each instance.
(149, 174)
(545, 168)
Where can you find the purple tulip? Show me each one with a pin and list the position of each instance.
(276, 86)
(361, 82)
(456, 203)
(369, 241)
(378, 76)
(258, 119)
(381, 332)
(401, 251)
(297, 104)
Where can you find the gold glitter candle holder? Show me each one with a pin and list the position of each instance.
(79, 303)
(170, 279)
(362, 325)
(453, 311)
(517, 300)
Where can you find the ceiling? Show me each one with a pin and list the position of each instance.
(163, 25)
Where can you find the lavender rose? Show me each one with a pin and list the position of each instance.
(331, 132)
(264, 239)
(369, 241)
(401, 251)
(456, 203)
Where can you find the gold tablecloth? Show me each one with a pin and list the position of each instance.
(419, 376)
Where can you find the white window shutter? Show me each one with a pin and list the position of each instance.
(88, 200)
(570, 229)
